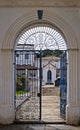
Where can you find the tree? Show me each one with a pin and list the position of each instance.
(48, 52)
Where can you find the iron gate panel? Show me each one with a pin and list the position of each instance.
(63, 85)
(28, 84)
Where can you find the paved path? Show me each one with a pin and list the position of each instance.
(50, 109)
(38, 127)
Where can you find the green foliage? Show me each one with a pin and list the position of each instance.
(57, 53)
(48, 52)
(20, 83)
(18, 93)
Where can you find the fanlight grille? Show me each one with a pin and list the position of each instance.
(43, 38)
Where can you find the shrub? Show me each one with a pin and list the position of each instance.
(20, 83)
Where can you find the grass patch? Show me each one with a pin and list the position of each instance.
(18, 93)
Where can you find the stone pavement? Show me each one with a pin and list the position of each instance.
(50, 109)
(38, 127)
(29, 110)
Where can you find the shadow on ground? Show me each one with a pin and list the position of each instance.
(37, 127)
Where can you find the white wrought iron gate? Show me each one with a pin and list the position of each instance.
(28, 73)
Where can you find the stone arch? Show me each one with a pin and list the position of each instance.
(50, 18)
(7, 49)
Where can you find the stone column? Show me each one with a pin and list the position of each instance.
(72, 109)
(7, 110)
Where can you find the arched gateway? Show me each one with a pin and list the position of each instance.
(7, 55)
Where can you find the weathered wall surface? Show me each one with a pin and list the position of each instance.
(50, 3)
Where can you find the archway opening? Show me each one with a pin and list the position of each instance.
(37, 66)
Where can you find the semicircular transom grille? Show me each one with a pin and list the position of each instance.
(43, 38)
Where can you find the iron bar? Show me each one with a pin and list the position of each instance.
(40, 82)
